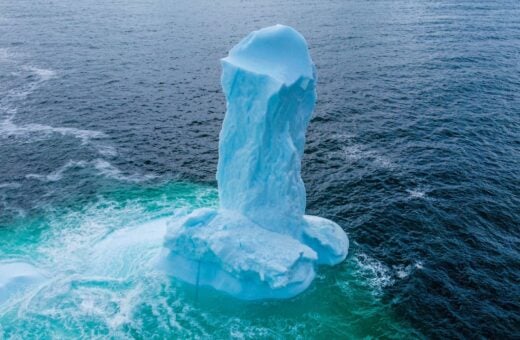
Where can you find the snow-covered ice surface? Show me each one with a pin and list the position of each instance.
(259, 243)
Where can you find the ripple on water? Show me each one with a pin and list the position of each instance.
(103, 168)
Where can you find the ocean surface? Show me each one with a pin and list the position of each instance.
(109, 120)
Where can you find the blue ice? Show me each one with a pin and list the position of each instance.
(259, 243)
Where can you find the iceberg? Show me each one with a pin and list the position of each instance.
(259, 243)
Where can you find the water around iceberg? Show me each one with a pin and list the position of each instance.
(259, 243)
(101, 281)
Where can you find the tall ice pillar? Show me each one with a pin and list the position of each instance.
(259, 243)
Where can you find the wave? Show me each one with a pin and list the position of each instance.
(44, 74)
(109, 170)
(416, 193)
(419, 193)
(58, 174)
(8, 209)
(103, 168)
(105, 150)
(17, 94)
(9, 106)
(8, 100)
(99, 268)
(10, 185)
(356, 153)
(379, 275)
(402, 271)
(9, 129)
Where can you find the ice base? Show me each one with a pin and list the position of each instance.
(230, 253)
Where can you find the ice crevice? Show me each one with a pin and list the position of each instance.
(259, 243)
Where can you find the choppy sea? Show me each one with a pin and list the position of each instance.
(109, 121)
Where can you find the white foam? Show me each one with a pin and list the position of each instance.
(126, 304)
(44, 74)
(18, 94)
(10, 185)
(102, 166)
(8, 128)
(402, 271)
(99, 264)
(5, 205)
(23, 91)
(105, 150)
(87, 137)
(343, 136)
(10, 55)
(58, 174)
(377, 274)
(357, 152)
(120, 249)
(353, 152)
(417, 193)
(109, 170)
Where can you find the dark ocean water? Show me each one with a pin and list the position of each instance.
(110, 113)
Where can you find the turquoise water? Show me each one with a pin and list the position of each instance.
(101, 281)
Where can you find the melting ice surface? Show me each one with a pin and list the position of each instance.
(259, 243)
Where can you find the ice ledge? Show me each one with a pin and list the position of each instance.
(279, 52)
(230, 253)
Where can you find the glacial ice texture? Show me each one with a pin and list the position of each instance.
(259, 243)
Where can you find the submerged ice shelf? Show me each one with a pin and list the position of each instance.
(15, 276)
(259, 243)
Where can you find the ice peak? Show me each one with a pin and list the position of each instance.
(278, 51)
